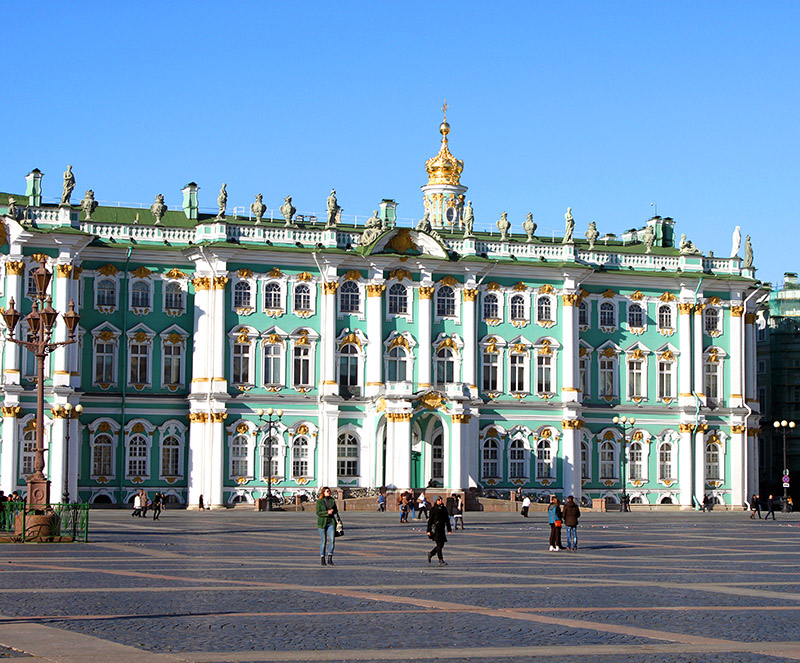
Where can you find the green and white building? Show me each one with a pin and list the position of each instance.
(443, 356)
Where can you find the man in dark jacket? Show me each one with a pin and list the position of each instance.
(771, 507)
(571, 513)
(438, 522)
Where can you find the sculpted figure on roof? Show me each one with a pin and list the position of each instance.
(158, 209)
(334, 211)
(503, 225)
(529, 227)
(69, 185)
(425, 223)
(748, 254)
(569, 228)
(222, 201)
(648, 239)
(592, 235)
(469, 220)
(372, 230)
(288, 210)
(689, 249)
(258, 208)
(88, 204)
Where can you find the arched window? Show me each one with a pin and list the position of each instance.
(517, 307)
(241, 295)
(299, 457)
(302, 297)
(635, 456)
(137, 456)
(544, 309)
(268, 453)
(102, 461)
(106, 293)
(665, 317)
(712, 462)
(348, 365)
(170, 455)
(491, 453)
(635, 316)
(444, 366)
(349, 298)
(712, 320)
(445, 302)
(665, 453)
(272, 364)
(173, 297)
(398, 299)
(397, 364)
(583, 314)
(272, 296)
(607, 315)
(585, 458)
(544, 459)
(517, 467)
(239, 464)
(491, 307)
(608, 460)
(437, 458)
(28, 451)
(140, 294)
(347, 453)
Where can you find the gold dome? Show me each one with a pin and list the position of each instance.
(444, 168)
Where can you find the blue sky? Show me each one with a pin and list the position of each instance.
(604, 107)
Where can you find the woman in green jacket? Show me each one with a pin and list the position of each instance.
(326, 523)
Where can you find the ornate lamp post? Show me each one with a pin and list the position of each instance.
(626, 424)
(41, 321)
(272, 419)
(783, 425)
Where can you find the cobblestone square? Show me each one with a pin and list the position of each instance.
(239, 586)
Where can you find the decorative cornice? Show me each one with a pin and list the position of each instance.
(685, 308)
(218, 417)
(198, 417)
(398, 416)
(201, 283)
(686, 428)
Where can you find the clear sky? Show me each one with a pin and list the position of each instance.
(604, 107)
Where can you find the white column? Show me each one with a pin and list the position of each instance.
(62, 290)
(699, 381)
(327, 438)
(15, 272)
(202, 371)
(198, 459)
(750, 387)
(219, 381)
(398, 452)
(685, 397)
(571, 458)
(216, 467)
(457, 475)
(73, 460)
(736, 364)
(569, 355)
(57, 456)
(700, 463)
(470, 332)
(328, 339)
(9, 452)
(737, 452)
(375, 338)
(685, 478)
(424, 380)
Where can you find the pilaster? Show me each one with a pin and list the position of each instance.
(328, 338)
(697, 353)
(327, 450)
(9, 448)
(15, 271)
(569, 355)
(737, 451)
(375, 335)
(685, 397)
(398, 451)
(62, 291)
(424, 336)
(571, 457)
(737, 365)
(685, 463)
(700, 463)
(470, 329)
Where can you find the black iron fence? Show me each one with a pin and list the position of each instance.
(68, 520)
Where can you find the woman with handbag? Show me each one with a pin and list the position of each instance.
(554, 516)
(327, 518)
(438, 522)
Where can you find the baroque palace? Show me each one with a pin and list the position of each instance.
(432, 355)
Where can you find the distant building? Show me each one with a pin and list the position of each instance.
(778, 372)
(400, 356)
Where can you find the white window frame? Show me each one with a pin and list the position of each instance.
(148, 307)
(171, 428)
(309, 340)
(544, 347)
(279, 287)
(524, 461)
(519, 359)
(642, 306)
(111, 429)
(147, 343)
(719, 328)
(236, 337)
(663, 329)
(147, 435)
(244, 307)
(105, 308)
(495, 296)
(359, 312)
(312, 297)
(546, 452)
(456, 288)
(391, 344)
(182, 286)
(273, 338)
(168, 339)
(499, 344)
(493, 447)
(456, 353)
(352, 441)
(552, 304)
(708, 355)
(586, 306)
(608, 443)
(606, 328)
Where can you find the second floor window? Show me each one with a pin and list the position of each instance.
(349, 299)
(445, 302)
(517, 373)
(348, 365)
(444, 364)
(398, 299)
(491, 309)
(106, 293)
(272, 296)
(635, 316)
(302, 298)
(301, 366)
(140, 295)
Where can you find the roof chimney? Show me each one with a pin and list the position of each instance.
(34, 187)
(190, 200)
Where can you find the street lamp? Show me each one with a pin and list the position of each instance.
(783, 425)
(40, 321)
(626, 423)
(68, 409)
(272, 419)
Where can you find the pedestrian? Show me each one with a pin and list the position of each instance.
(438, 522)
(200, 504)
(554, 518)
(519, 495)
(755, 507)
(451, 502)
(412, 505)
(145, 503)
(422, 505)
(458, 512)
(571, 513)
(157, 502)
(526, 505)
(137, 505)
(705, 505)
(771, 507)
(404, 507)
(381, 502)
(327, 514)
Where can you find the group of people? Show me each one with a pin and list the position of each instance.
(755, 506)
(563, 517)
(141, 504)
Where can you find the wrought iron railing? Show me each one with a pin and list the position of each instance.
(70, 520)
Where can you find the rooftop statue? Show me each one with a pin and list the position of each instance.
(372, 229)
(425, 223)
(648, 239)
(737, 241)
(592, 235)
(12, 207)
(504, 225)
(334, 211)
(570, 227)
(689, 249)
(748, 254)
(469, 220)
(69, 185)
(158, 209)
(222, 201)
(288, 210)
(88, 205)
(258, 208)
(529, 227)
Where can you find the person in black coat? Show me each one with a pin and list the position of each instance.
(438, 523)
(771, 507)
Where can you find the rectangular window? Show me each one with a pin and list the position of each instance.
(544, 370)
(241, 363)
(104, 363)
(665, 386)
(583, 376)
(517, 373)
(172, 363)
(711, 380)
(140, 360)
(302, 366)
(490, 373)
(635, 379)
(272, 364)
(607, 370)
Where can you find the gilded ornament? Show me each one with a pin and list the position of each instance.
(713, 357)
(201, 283)
(494, 285)
(609, 294)
(242, 429)
(375, 289)
(12, 411)
(546, 289)
(585, 352)
(220, 282)
(273, 339)
(738, 429)
(350, 338)
(15, 268)
(449, 280)
(3, 231)
(715, 301)
(570, 299)
(668, 297)
(521, 349)
(685, 308)
(244, 273)
(175, 338)
(546, 434)
(425, 292)
(698, 309)
(398, 416)
(141, 272)
(400, 274)
(243, 338)
(637, 296)
(520, 287)
(637, 354)
(491, 346)
(108, 270)
(218, 417)
(461, 418)
(686, 428)
(275, 273)
(138, 428)
(302, 339)
(608, 353)
(433, 400)
(666, 356)
(737, 311)
(40, 258)
(140, 337)
(448, 343)
(401, 242)
(381, 406)
(444, 168)
(302, 429)
(399, 340)
(470, 294)
(175, 273)
(572, 424)
(353, 275)
(305, 276)
(330, 287)
(63, 271)
(106, 335)
(545, 348)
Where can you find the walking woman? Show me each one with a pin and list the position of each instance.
(438, 522)
(554, 517)
(326, 523)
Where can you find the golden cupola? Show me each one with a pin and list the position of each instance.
(444, 168)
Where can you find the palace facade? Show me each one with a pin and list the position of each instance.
(399, 356)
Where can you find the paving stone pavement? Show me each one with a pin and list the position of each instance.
(239, 586)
